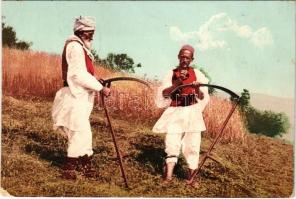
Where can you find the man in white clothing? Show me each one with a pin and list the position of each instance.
(182, 121)
(74, 102)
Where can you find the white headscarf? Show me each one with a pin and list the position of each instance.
(85, 23)
(75, 38)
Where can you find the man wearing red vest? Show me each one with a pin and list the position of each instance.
(182, 121)
(74, 102)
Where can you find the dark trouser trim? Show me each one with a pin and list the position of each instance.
(171, 156)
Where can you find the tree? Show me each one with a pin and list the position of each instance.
(10, 40)
(96, 56)
(22, 45)
(244, 100)
(109, 61)
(120, 62)
(8, 36)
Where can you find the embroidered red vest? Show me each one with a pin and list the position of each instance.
(185, 96)
(88, 62)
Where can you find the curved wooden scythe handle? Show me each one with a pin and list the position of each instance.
(107, 83)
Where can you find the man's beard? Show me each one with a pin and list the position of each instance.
(87, 44)
(183, 64)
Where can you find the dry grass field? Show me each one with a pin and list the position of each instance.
(28, 74)
(32, 153)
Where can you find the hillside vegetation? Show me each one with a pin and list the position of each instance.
(32, 153)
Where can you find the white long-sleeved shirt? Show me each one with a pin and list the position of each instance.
(73, 104)
(181, 119)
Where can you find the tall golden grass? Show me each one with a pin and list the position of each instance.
(28, 73)
(215, 114)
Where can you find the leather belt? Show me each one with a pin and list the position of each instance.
(184, 100)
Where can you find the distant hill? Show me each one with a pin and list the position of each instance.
(276, 104)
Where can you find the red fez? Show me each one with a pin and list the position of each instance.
(187, 47)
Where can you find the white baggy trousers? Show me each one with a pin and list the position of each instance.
(79, 143)
(176, 120)
(188, 143)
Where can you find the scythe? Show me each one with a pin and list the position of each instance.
(107, 83)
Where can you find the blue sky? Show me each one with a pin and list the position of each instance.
(247, 44)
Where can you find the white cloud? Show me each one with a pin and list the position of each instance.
(262, 37)
(232, 26)
(178, 35)
(244, 31)
(207, 35)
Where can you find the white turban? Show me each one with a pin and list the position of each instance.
(84, 24)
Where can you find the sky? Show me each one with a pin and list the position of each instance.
(242, 45)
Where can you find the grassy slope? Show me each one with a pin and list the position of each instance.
(32, 154)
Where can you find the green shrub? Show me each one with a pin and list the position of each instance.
(267, 123)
